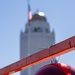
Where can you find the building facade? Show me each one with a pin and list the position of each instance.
(36, 37)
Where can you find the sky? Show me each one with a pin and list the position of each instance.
(60, 15)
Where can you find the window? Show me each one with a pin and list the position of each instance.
(37, 29)
(46, 30)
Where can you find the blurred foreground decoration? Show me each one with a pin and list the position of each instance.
(48, 53)
(56, 69)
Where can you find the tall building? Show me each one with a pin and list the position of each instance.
(36, 37)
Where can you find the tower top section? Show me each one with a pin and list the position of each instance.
(39, 16)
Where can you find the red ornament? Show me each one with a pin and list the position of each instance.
(56, 69)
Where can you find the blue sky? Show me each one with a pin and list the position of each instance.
(13, 17)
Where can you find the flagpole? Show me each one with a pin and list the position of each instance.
(29, 32)
(29, 23)
(29, 70)
(28, 9)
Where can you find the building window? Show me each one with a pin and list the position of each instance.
(46, 30)
(37, 29)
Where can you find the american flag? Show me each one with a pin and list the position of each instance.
(29, 13)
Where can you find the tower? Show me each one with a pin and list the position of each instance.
(36, 37)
